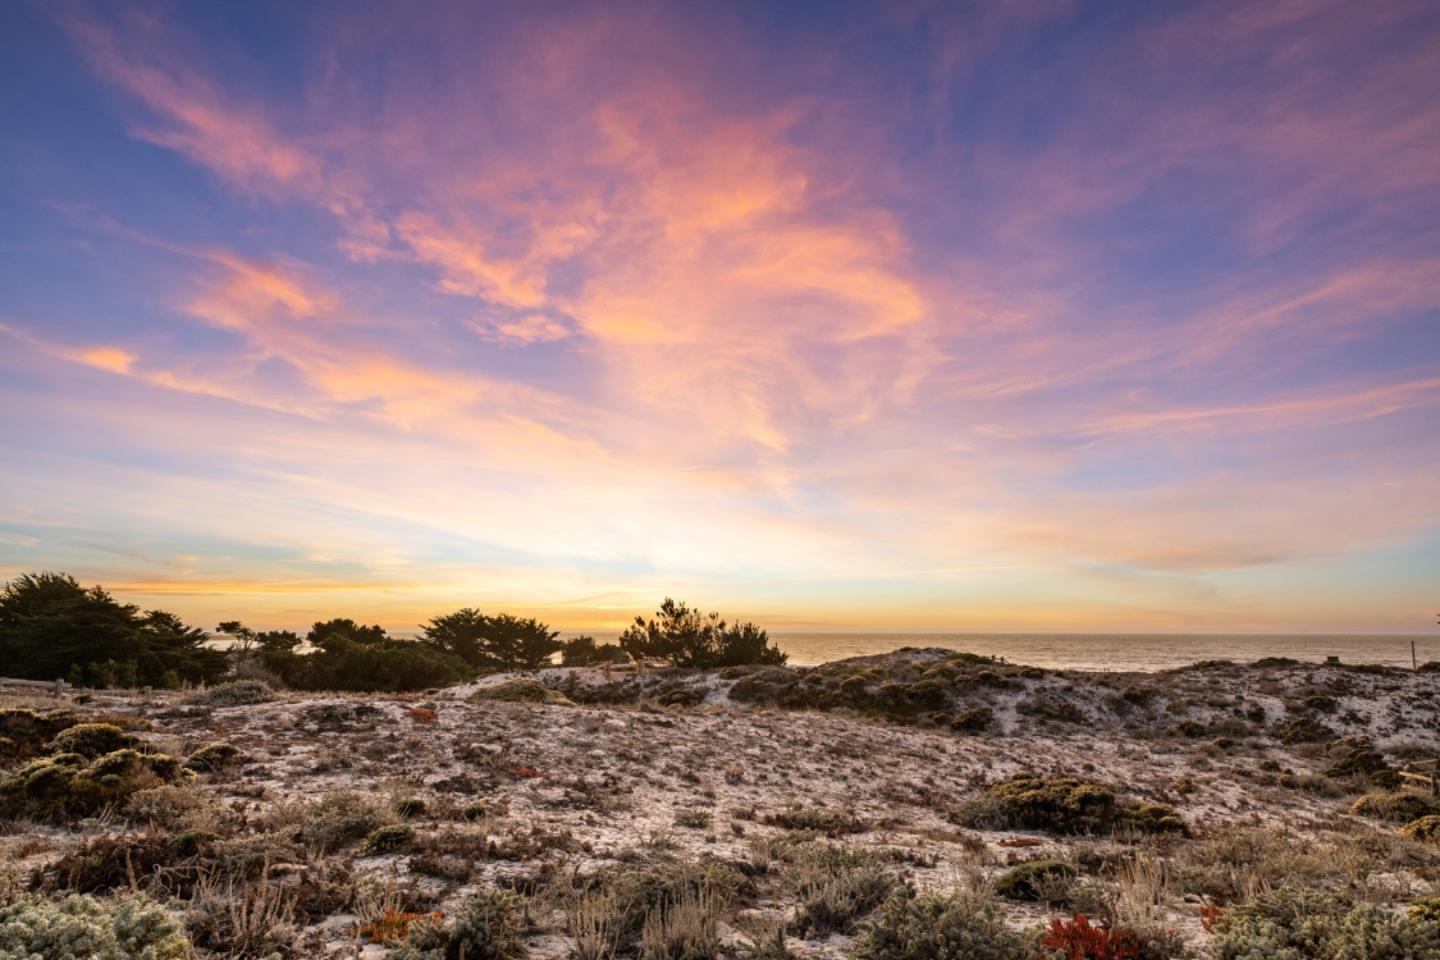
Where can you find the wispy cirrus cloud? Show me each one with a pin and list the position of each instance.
(795, 293)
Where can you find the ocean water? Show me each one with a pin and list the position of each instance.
(1119, 652)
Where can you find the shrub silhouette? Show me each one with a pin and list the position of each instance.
(688, 638)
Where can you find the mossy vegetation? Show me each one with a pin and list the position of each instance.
(214, 756)
(1065, 805)
(91, 740)
(65, 786)
(131, 928)
(1310, 923)
(1400, 806)
(519, 690)
(1037, 880)
(25, 733)
(941, 927)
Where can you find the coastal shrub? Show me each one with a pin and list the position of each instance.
(688, 638)
(1424, 828)
(330, 822)
(118, 861)
(214, 756)
(616, 902)
(236, 693)
(24, 733)
(244, 921)
(835, 888)
(832, 823)
(585, 652)
(64, 786)
(1401, 806)
(410, 807)
(353, 658)
(935, 927)
(487, 926)
(686, 928)
(1303, 730)
(172, 807)
(389, 838)
(1038, 880)
(87, 927)
(974, 720)
(1301, 924)
(1357, 758)
(91, 740)
(519, 690)
(1064, 805)
(1053, 708)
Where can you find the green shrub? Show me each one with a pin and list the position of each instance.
(1064, 805)
(1304, 730)
(487, 926)
(50, 627)
(24, 733)
(91, 740)
(64, 787)
(1302, 924)
(1034, 881)
(336, 819)
(389, 838)
(213, 756)
(236, 693)
(1401, 806)
(410, 807)
(912, 927)
(519, 690)
(90, 928)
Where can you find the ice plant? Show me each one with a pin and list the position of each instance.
(1076, 939)
(394, 925)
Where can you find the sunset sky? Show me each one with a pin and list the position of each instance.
(1013, 316)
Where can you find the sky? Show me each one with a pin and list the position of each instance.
(899, 316)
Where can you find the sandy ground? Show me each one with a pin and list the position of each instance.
(611, 780)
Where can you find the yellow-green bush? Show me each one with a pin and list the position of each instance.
(88, 927)
(66, 786)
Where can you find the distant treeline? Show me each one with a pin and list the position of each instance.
(51, 626)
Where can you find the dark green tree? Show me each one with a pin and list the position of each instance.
(327, 632)
(464, 634)
(522, 643)
(502, 642)
(50, 626)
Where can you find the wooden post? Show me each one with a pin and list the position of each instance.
(59, 687)
(1413, 664)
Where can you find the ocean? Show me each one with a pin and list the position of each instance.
(1118, 652)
